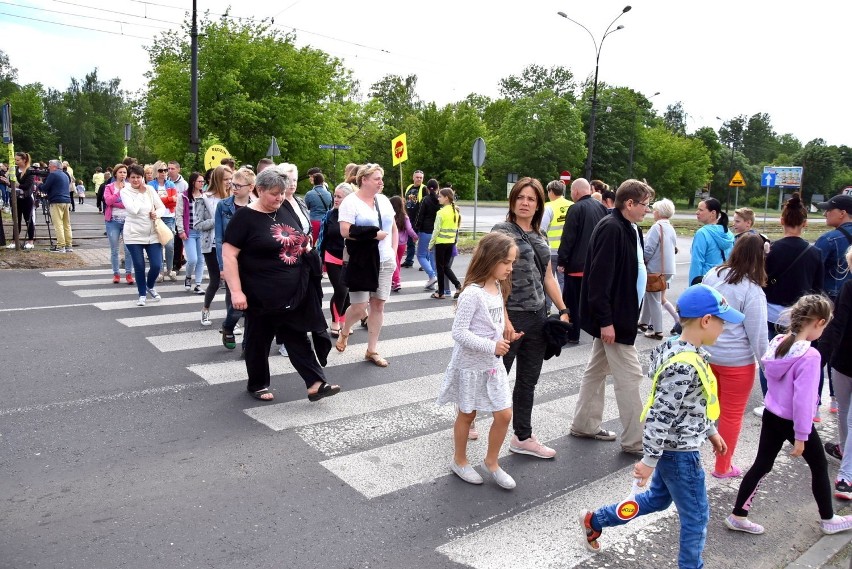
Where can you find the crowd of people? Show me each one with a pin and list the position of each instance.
(554, 268)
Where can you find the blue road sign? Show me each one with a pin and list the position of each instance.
(334, 147)
(767, 180)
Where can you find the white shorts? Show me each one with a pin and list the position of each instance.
(386, 269)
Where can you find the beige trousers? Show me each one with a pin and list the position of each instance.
(60, 215)
(623, 361)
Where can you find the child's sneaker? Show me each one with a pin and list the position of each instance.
(531, 446)
(843, 490)
(590, 534)
(141, 301)
(833, 450)
(836, 525)
(155, 296)
(743, 524)
(832, 405)
(205, 318)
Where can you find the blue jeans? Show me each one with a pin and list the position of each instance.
(232, 315)
(170, 246)
(192, 251)
(678, 478)
(426, 260)
(155, 258)
(114, 230)
(410, 249)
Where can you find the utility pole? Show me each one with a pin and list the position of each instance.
(194, 143)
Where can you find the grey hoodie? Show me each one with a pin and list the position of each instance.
(677, 419)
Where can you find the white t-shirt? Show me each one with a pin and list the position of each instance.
(353, 210)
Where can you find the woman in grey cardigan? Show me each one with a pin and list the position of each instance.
(660, 242)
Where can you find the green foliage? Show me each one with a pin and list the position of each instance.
(535, 79)
(820, 163)
(760, 144)
(675, 166)
(675, 118)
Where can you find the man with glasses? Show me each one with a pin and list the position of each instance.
(413, 197)
(181, 187)
(613, 288)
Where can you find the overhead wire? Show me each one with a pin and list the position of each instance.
(78, 16)
(73, 26)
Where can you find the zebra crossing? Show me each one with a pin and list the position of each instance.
(385, 439)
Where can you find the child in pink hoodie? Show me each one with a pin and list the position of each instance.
(792, 371)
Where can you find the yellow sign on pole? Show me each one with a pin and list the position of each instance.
(213, 156)
(399, 149)
(737, 181)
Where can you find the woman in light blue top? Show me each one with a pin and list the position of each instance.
(712, 243)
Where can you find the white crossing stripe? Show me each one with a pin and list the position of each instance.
(171, 318)
(392, 467)
(171, 301)
(552, 535)
(208, 338)
(347, 403)
(104, 281)
(78, 273)
(229, 372)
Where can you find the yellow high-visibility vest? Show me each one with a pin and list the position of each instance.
(419, 191)
(557, 223)
(705, 374)
(450, 220)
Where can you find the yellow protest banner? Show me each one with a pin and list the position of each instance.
(213, 156)
(399, 149)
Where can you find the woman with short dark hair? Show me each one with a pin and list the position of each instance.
(143, 207)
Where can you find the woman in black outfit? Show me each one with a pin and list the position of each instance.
(330, 247)
(274, 276)
(424, 225)
(26, 184)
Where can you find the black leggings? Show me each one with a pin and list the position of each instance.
(529, 351)
(773, 432)
(340, 299)
(213, 274)
(25, 212)
(443, 254)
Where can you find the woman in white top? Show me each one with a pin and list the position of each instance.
(367, 207)
(660, 243)
(143, 206)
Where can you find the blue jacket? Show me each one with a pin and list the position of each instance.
(225, 210)
(319, 201)
(711, 246)
(832, 246)
(56, 187)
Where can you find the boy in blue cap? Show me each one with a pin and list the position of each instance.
(679, 415)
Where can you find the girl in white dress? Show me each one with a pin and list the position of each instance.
(476, 379)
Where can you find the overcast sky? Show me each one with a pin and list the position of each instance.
(721, 58)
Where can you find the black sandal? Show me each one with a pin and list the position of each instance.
(260, 393)
(325, 390)
(436, 295)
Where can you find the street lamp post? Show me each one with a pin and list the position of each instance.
(633, 137)
(595, 89)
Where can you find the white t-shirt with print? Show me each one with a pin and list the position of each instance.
(353, 210)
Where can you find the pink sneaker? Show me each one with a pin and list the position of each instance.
(836, 525)
(532, 447)
(743, 524)
(734, 472)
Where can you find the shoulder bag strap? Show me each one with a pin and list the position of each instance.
(773, 280)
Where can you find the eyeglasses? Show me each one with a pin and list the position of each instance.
(239, 186)
(161, 170)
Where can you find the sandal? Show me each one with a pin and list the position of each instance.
(335, 332)
(259, 395)
(458, 292)
(436, 295)
(324, 390)
(376, 359)
(342, 339)
(364, 321)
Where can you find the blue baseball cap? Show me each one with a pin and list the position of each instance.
(700, 300)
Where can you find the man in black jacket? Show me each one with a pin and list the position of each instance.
(582, 218)
(613, 287)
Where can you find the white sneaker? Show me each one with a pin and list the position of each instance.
(155, 296)
(238, 330)
(141, 301)
(283, 351)
(10, 245)
(759, 411)
(172, 276)
(205, 318)
(28, 246)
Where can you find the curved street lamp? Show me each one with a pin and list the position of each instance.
(598, 47)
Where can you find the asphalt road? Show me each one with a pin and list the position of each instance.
(128, 441)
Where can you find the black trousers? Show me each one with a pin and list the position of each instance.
(178, 257)
(443, 256)
(266, 327)
(571, 298)
(25, 213)
(340, 299)
(529, 351)
(213, 274)
(773, 432)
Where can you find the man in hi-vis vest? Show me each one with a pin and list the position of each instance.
(413, 197)
(552, 223)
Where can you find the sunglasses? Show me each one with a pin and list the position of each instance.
(161, 170)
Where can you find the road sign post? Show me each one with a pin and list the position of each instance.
(478, 160)
(334, 148)
(781, 177)
(399, 153)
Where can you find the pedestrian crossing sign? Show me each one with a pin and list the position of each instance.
(737, 181)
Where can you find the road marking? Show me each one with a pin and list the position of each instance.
(77, 273)
(208, 338)
(170, 318)
(171, 301)
(380, 471)
(229, 372)
(23, 308)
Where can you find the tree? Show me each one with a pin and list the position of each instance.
(398, 94)
(760, 144)
(253, 83)
(731, 132)
(675, 166)
(675, 118)
(535, 79)
(820, 166)
(788, 145)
